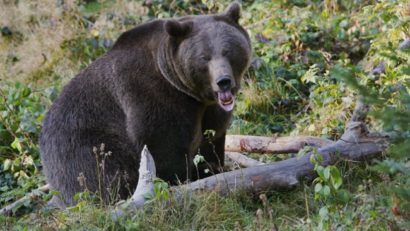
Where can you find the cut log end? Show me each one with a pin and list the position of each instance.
(147, 172)
(145, 186)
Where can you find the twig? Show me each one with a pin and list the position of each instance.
(7, 210)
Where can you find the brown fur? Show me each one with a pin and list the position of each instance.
(154, 88)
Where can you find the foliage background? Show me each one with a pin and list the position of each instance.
(312, 59)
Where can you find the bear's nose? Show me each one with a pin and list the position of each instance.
(224, 83)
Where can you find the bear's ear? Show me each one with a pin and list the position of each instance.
(178, 29)
(233, 11)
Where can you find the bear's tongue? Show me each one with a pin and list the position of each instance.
(226, 100)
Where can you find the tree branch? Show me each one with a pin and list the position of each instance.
(242, 160)
(8, 210)
(360, 111)
(259, 144)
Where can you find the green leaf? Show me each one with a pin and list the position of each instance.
(318, 187)
(343, 195)
(324, 212)
(16, 144)
(22, 174)
(6, 164)
(148, 196)
(326, 191)
(319, 169)
(26, 92)
(209, 133)
(198, 159)
(55, 193)
(335, 177)
(18, 85)
(92, 7)
(311, 75)
(74, 209)
(326, 173)
(28, 161)
(313, 159)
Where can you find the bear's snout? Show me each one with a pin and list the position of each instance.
(221, 75)
(224, 82)
(224, 94)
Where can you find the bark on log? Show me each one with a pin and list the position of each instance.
(258, 144)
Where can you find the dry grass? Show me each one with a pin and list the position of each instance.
(33, 52)
(41, 27)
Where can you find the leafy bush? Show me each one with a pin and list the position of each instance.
(21, 112)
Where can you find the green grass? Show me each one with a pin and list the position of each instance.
(295, 210)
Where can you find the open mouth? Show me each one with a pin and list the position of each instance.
(226, 100)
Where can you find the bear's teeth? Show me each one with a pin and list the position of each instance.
(229, 102)
(227, 105)
(226, 100)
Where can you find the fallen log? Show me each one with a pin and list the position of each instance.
(275, 145)
(242, 160)
(355, 144)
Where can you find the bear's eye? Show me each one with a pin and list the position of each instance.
(225, 52)
(206, 57)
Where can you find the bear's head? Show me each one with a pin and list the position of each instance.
(206, 56)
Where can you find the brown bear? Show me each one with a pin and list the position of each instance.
(163, 84)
